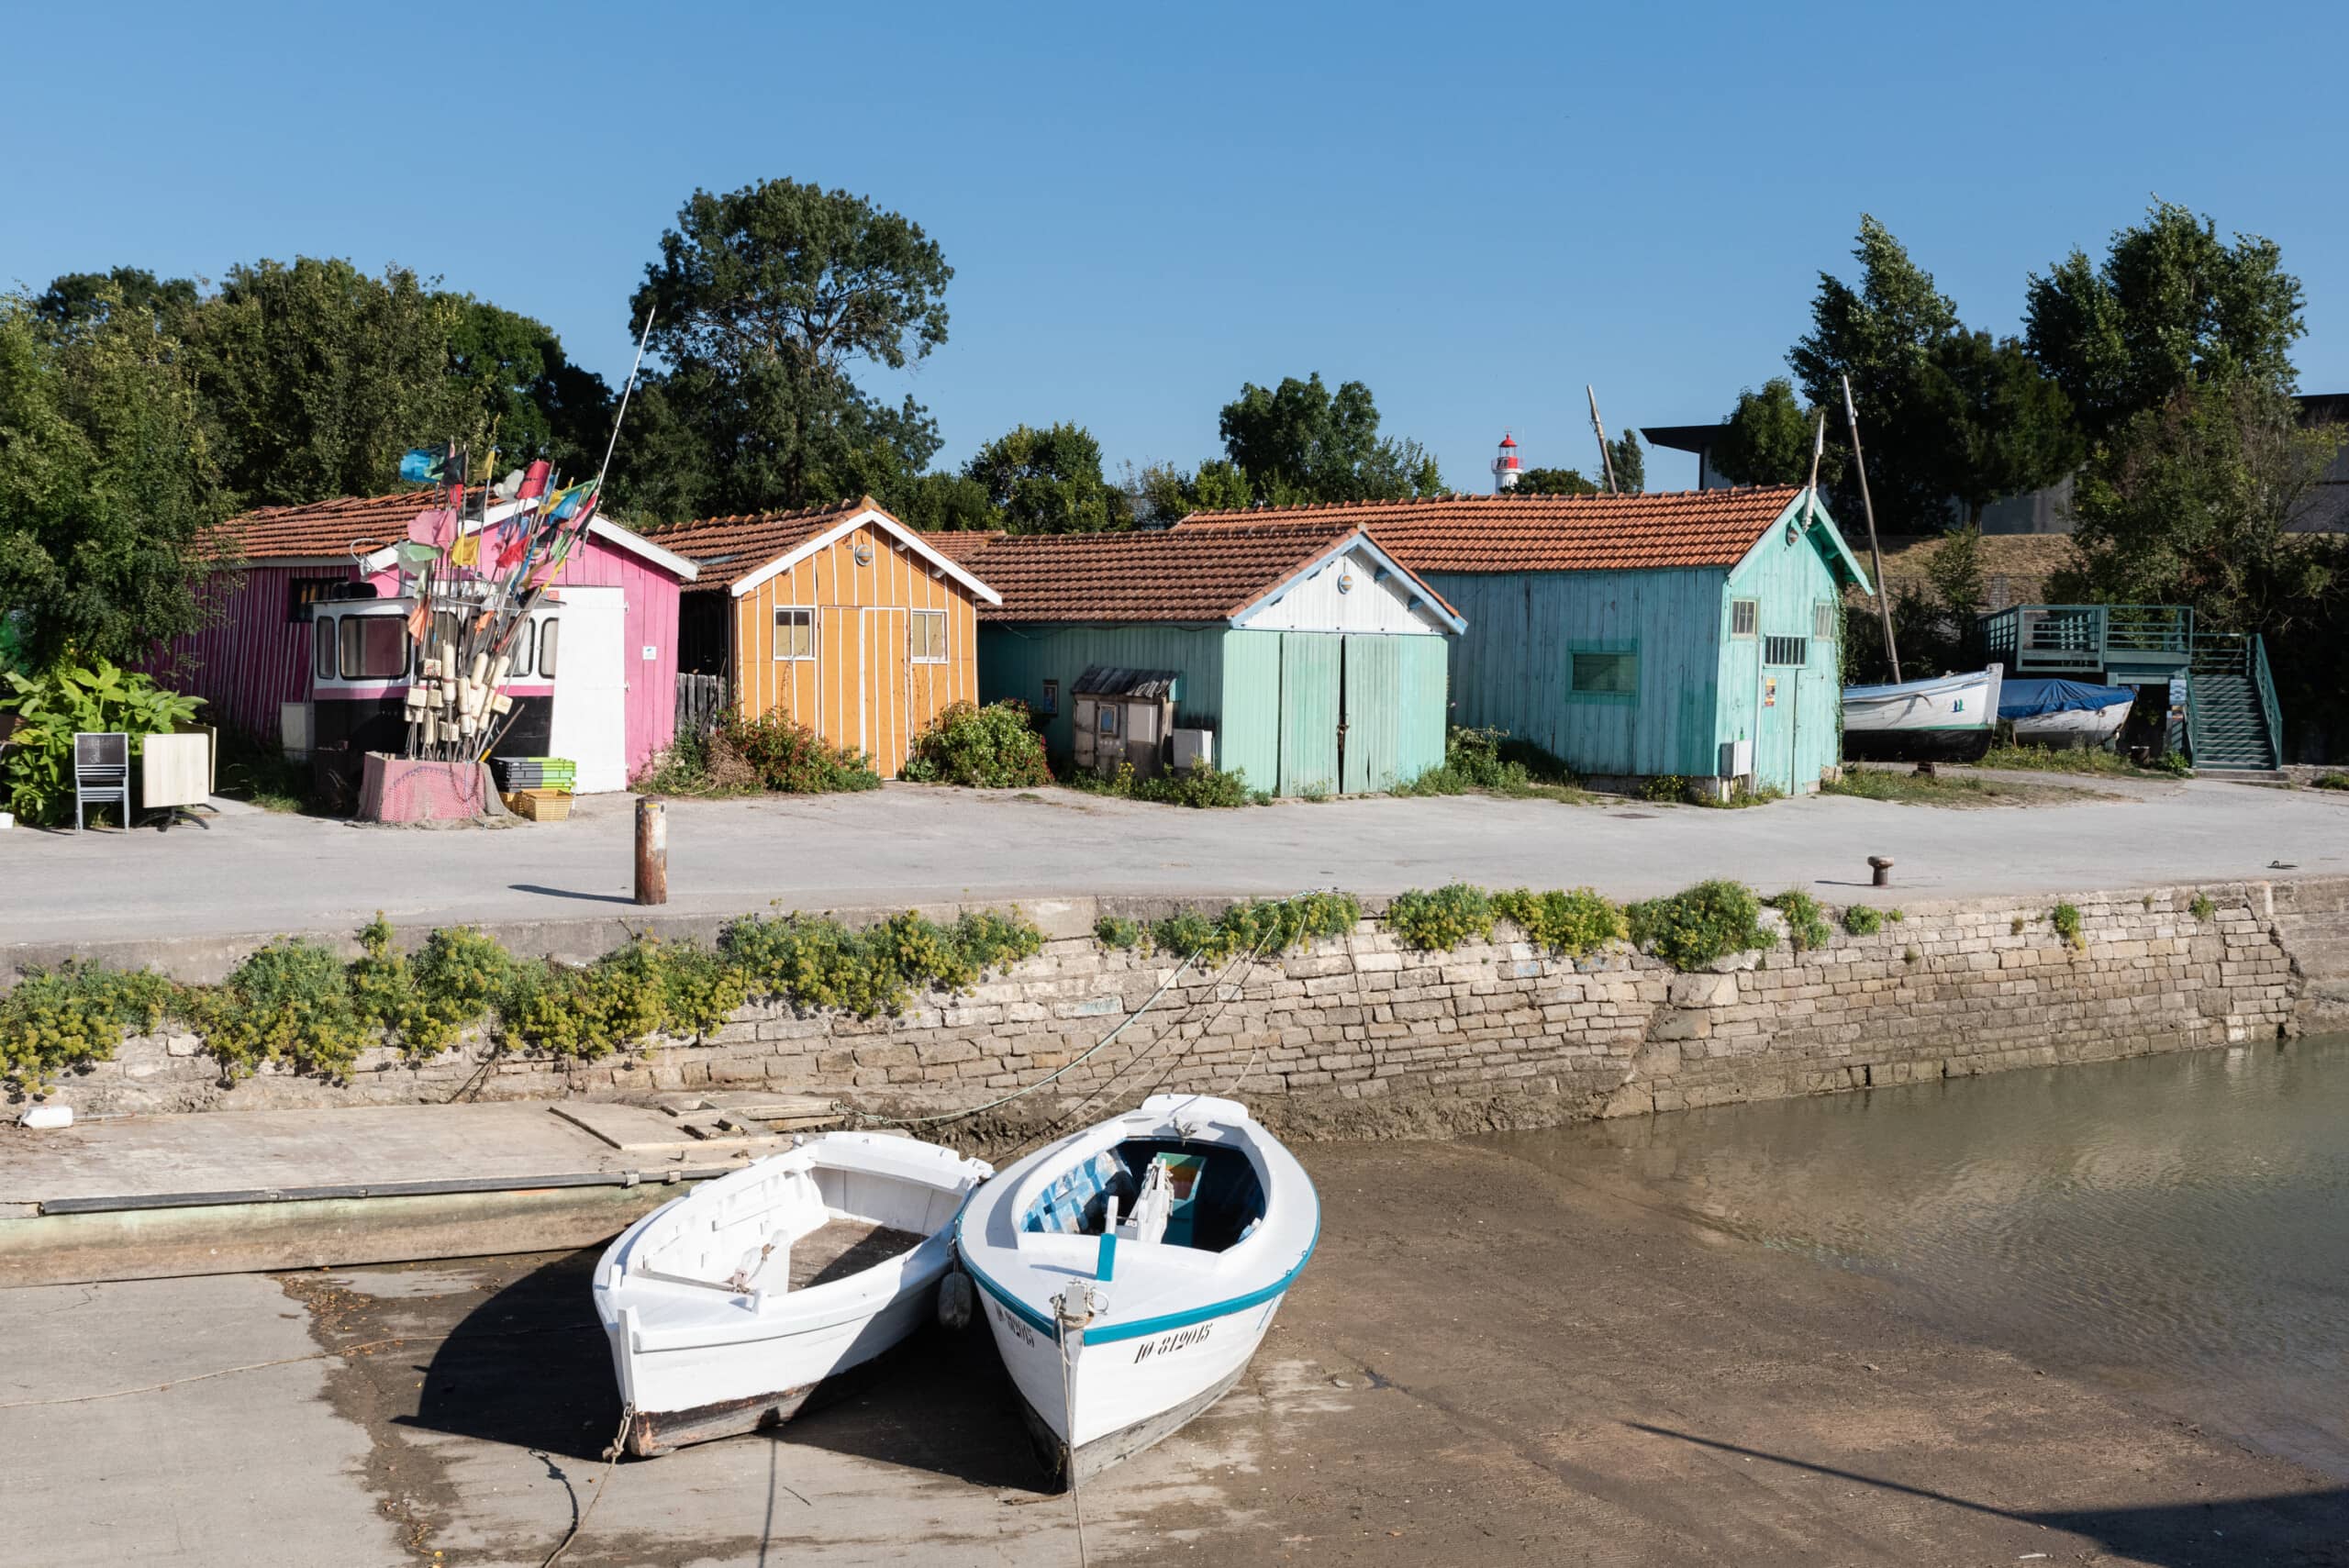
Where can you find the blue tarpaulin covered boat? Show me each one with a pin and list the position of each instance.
(2051, 712)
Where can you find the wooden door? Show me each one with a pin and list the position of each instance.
(1311, 711)
(882, 686)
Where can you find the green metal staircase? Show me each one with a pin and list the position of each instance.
(2231, 717)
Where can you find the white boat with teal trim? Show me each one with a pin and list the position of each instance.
(1948, 719)
(1130, 1271)
(729, 1307)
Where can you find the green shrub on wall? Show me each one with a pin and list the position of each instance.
(1699, 925)
(1807, 924)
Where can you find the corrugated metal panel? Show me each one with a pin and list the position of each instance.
(1512, 668)
(250, 658)
(1309, 709)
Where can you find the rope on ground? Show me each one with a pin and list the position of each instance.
(611, 1460)
(1092, 1050)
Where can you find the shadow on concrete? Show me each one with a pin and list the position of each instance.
(530, 1368)
(2306, 1529)
(567, 892)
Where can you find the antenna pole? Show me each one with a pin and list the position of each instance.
(1599, 427)
(1875, 554)
(622, 412)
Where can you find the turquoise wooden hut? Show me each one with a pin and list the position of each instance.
(1695, 633)
(1307, 655)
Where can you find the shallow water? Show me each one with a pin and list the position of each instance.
(2176, 1227)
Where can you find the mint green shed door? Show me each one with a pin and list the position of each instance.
(1309, 711)
(1371, 743)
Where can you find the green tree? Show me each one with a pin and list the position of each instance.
(1553, 481)
(75, 298)
(1160, 495)
(1767, 438)
(2171, 305)
(315, 377)
(1630, 463)
(768, 300)
(105, 483)
(2001, 425)
(1300, 442)
(1939, 406)
(537, 403)
(941, 503)
(1049, 482)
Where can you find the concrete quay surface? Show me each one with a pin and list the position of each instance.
(255, 873)
(1578, 1377)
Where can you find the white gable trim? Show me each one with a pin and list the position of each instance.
(1801, 515)
(1415, 593)
(886, 524)
(610, 533)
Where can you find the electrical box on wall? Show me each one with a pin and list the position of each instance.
(1737, 759)
(1194, 749)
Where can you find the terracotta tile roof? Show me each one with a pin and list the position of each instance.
(1177, 575)
(962, 546)
(1543, 533)
(323, 528)
(730, 549)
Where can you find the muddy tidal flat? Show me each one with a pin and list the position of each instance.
(1502, 1354)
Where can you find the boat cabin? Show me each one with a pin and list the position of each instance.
(1165, 1191)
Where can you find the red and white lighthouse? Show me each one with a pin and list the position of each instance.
(1505, 469)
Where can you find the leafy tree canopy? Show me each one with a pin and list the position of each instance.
(106, 482)
(1299, 443)
(2170, 304)
(1049, 482)
(1553, 481)
(767, 299)
(1630, 463)
(1767, 437)
(1939, 404)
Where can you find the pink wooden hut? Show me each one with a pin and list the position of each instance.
(614, 695)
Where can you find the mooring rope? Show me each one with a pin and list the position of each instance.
(611, 1462)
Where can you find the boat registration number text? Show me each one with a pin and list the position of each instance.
(1167, 1344)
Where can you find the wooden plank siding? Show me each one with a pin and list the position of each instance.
(863, 689)
(1512, 669)
(249, 658)
(1798, 730)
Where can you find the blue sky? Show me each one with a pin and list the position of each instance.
(1475, 211)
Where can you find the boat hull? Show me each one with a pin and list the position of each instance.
(658, 1431)
(1131, 1393)
(1946, 720)
(2074, 728)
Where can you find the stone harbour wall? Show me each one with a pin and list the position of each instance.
(1360, 1036)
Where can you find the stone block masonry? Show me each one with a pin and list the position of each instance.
(1362, 1037)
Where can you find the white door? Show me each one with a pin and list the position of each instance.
(591, 688)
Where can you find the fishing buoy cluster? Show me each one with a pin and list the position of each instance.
(444, 704)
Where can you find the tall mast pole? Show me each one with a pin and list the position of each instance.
(1875, 555)
(1606, 458)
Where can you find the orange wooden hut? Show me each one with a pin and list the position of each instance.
(841, 619)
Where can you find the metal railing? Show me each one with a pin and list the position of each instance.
(2083, 638)
(2242, 654)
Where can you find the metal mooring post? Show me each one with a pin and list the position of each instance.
(651, 852)
(1882, 866)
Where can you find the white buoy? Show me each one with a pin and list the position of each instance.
(46, 1118)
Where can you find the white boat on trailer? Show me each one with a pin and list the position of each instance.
(1130, 1271)
(731, 1306)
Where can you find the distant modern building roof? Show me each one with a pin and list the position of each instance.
(1682, 437)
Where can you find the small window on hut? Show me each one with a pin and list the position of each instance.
(1611, 676)
(374, 648)
(302, 593)
(549, 638)
(322, 637)
(1786, 651)
(1823, 621)
(929, 637)
(1052, 699)
(795, 634)
(1107, 723)
(1745, 616)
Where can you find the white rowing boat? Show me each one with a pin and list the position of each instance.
(1130, 1271)
(732, 1306)
(1947, 719)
